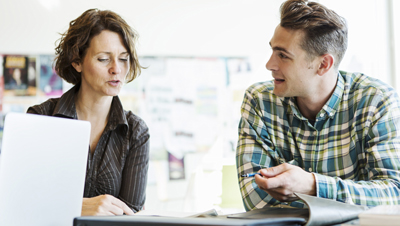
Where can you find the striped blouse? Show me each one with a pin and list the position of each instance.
(120, 161)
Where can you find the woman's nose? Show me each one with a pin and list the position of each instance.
(115, 67)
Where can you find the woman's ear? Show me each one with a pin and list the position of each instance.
(327, 62)
(77, 66)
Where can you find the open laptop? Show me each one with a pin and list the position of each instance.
(42, 169)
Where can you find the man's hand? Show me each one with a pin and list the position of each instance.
(282, 181)
(104, 205)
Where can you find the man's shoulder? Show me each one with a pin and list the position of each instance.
(261, 88)
(364, 83)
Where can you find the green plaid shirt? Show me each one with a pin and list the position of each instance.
(353, 149)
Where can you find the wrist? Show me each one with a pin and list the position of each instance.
(313, 188)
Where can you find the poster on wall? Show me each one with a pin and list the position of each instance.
(1, 84)
(19, 74)
(32, 76)
(176, 167)
(1, 100)
(50, 83)
(15, 72)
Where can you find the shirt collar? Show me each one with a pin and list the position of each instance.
(117, 115)
(66, 108)
(333, 103)
(66, 105)
(329, 108)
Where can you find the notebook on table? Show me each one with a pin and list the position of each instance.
(42, 169)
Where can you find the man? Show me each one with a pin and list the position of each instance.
(314, 129)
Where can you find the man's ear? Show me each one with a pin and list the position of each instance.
(77, 66)
(327, 62)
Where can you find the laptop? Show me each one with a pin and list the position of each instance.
(42, 169)
(169, 221)
(278, 216)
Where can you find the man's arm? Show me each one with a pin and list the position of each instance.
(381, 141)
(255, 151)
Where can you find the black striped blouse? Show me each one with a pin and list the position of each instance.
(120, 161)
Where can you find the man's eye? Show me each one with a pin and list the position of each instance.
(282, 56)
(103, 60)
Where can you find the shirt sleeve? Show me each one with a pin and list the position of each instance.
(381, 157)
(45, 108)
(134, 175)
(254, 152)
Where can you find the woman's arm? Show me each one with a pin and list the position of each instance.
(134, 174)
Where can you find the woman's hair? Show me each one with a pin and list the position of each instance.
(325, 31)
(74, 43)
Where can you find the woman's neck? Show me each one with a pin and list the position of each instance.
(89, 107)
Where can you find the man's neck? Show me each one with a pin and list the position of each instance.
(310, 105)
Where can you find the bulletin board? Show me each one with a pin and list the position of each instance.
(187, 102)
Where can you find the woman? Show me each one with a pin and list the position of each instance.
(97, 54)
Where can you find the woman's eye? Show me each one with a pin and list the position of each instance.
(123, 59)
(103, 60)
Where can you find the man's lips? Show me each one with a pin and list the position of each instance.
(278, 81)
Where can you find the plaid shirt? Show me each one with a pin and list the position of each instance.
(353, 149)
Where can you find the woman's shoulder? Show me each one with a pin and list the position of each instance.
(45, 108)
(135, 123)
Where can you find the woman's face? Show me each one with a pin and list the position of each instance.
(105, 65)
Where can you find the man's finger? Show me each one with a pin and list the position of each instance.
(274, 171)
(268, 183)
(283, 198)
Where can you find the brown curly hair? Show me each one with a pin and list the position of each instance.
(325, 31)
(73, 43)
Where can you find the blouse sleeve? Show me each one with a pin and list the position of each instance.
(134, 175)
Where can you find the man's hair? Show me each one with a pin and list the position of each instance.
(74, 43)
(325, 31)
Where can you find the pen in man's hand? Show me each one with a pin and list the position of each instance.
(250, 174)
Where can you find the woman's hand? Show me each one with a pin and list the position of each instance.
(103, 205)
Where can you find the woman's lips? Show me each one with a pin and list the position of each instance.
(114, 82)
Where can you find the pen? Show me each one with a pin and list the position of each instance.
(250, 174)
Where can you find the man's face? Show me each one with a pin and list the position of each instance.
(294, 74)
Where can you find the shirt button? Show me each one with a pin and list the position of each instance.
(322, 115)
(309, 169)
